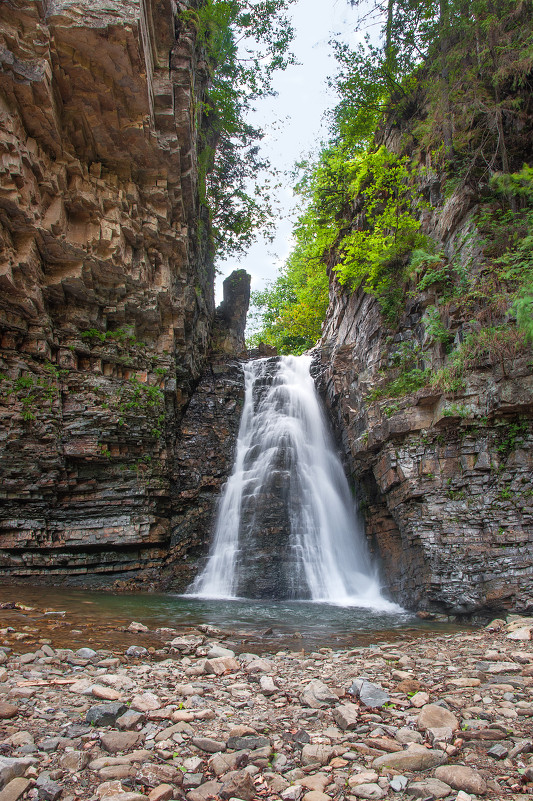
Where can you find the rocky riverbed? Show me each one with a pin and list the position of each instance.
(442, 716)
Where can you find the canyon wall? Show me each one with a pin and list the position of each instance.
(445, 477)
(106, 283)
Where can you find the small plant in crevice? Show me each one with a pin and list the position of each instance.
(456, 410)
(435, 328)
(405, 384)
(136, 399)
(36, 393)
(510, 435)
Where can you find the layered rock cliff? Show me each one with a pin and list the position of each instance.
(106, 281)
(444, 468)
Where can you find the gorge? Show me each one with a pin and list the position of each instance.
(122, 387)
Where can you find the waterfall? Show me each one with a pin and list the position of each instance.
(286, 524)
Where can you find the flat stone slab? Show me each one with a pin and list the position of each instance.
(433, 716)
(429, 787)
(416, 757)
(14, 790)
(461, 777)
(116, 741)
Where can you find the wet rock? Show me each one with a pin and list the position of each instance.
(415, 757)
(317, 695)
(105, 714)
(137, 627)
(85, 653)
(462, 778)
(369, 694)
(433, 716)
(136, 651)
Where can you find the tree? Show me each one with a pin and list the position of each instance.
(453, 78)
(246, 42)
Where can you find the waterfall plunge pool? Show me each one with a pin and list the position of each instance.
(99, 619)
(287, 528)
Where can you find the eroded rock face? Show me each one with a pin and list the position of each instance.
(106, 288)
(203, 461)
(446, 479)
(230, 318)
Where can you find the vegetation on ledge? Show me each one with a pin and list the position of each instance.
(441, 108)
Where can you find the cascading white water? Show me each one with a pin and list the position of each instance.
(286, 467)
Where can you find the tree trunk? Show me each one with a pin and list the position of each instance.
(444, 42)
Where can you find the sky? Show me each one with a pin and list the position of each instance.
(294, 121)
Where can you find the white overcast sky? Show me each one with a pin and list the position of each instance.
(293, 120)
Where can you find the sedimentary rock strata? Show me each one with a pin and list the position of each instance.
(106, 284)
(445, 477)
